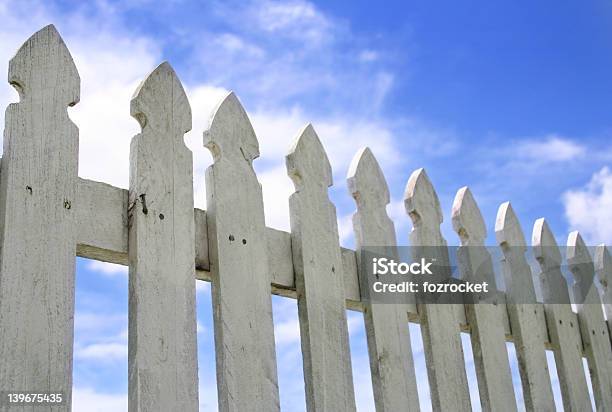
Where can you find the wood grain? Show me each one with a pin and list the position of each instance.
(485, 318)
(525, 316)
(386, 324)
(162, 359)
(439, 322)
(242, 306)
(563, 331)
(38, 203)
(319, 279)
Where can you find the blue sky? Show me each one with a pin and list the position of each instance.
(510, 98)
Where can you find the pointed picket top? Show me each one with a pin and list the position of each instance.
(546, 251)
(467, 219)
(421, 201)
(160, 102)
(231, 133)
(508, 229)
(603, 266)
(517, 272)
(577, 251)
(474, 259)
(581, 265)
(366, 181)
(43, 64)
(307, 163)
(545, 248)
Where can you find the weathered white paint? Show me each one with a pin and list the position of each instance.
(595, 335)
(563, 330)
(102, 213)
(242, 305)
(319, 279)
(439, 322)
(485, 318)
(525, 316)
(603, 268)
(48, 214)
(38, 195)
(391, 363)
(162, 359)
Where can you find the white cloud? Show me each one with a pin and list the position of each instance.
(108, 269)
(362, 382)
(382, 85)
(103, 352)
(292, 51)
(345, 230)
(203, 99)
(355, 322)
(287, 332)
(300, 20)
(100, 337)
(550, 149)
(589, 209)
(207, 395)
(200, 328)
(276, 187)
(89, 400)
(397, 212)
(237, 45)
(93, 325)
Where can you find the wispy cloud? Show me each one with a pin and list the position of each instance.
(549, 149)
(298, 20)
(103, 352)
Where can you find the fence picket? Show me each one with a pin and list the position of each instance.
(603, 267)
(162, 359)
(391, 363)
(564, 334)
(38, 221)
(595, 335)
(523, 312)
(439, 323)
(318, 278)
(485, 318)
(244, 330)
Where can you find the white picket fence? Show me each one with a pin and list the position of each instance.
(49, 215)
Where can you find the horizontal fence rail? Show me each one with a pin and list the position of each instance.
(49, 215)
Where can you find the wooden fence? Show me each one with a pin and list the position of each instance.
(49, 215)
